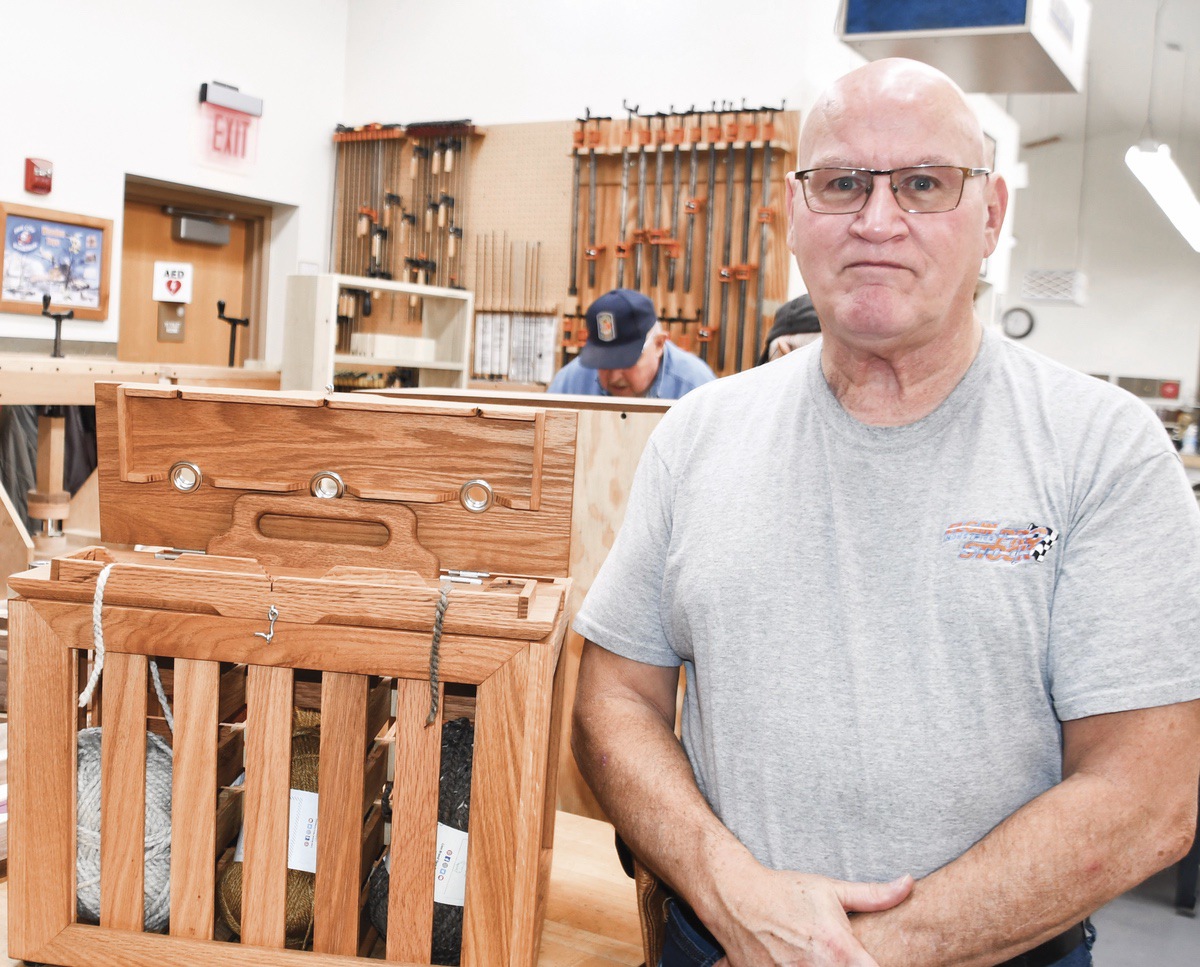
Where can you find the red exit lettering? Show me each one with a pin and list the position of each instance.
(230, 135)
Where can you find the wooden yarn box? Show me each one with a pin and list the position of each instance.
(354, 583)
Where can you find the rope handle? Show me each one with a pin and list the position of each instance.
(98, 647)
(434, 649)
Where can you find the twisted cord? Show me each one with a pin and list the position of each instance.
(434, 648)
(98, 646)
(97, 636)
(162, 696)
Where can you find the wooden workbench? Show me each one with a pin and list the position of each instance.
(591, 917)
(28, 379)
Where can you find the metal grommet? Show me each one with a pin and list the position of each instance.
(185, 477)
(326, 484)
(476, 496)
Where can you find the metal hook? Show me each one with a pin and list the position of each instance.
(272, 614)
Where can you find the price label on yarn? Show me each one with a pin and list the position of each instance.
(450, 878)
(302, 831)
(302, 834)
(450, 874)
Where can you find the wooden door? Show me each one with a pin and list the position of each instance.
(220, 272)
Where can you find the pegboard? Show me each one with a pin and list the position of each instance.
(521, 183)
(727, 328)
(517, 192)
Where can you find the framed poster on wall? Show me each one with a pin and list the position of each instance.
(64, 256)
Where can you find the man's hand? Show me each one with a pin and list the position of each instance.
(765, 918)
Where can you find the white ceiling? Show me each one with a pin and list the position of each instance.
(1121, 52)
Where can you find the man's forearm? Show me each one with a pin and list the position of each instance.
(637, 769)
(1050, 864)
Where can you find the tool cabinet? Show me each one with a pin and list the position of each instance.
(256, 595)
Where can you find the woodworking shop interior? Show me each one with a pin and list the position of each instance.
(319, 203)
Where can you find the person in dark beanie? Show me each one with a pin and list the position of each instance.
(629, 354)
(796, 324)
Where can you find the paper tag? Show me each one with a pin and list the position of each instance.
(450, 875)
(302, 833)
(450, 878)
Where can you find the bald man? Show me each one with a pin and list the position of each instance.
(935, 597)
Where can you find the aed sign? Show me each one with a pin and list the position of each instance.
(172, 282)
(229, 137)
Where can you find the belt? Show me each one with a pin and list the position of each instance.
(1050, 952)
(1043, 955)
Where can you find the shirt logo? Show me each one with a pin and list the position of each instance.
(606, 327)
(992, 540)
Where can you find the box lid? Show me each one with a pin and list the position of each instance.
(484, 488)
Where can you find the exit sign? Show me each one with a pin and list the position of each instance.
(229, 137)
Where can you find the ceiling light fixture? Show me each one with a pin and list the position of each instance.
(1150, 160)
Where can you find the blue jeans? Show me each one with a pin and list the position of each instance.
(684, 947)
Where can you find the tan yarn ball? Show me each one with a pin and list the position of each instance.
(306, 745)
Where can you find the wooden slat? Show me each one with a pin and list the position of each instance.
(231, 743)
(341, 648)
(229, 819)
(268, 767)
(309, 599)
(535, 796)
(150, 584)
(83, 668)
(414, 825)
(41, 783)
(373, 775)
(340, 815)
(81, 944)
(495, 792)
(123, 792)
(196, 689)
(379, 709)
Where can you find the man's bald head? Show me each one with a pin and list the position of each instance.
(914, 89)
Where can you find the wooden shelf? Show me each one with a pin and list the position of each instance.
(380, 362)
(311, 352)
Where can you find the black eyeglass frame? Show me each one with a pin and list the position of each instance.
(873, 172)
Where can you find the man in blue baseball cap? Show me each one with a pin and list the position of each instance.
(629, 354)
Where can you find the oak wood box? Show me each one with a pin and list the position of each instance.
(297, 599)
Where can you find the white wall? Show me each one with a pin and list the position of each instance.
(108, 89)
(540, 60)
(1142, 314)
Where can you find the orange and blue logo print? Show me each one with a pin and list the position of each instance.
(993, 540)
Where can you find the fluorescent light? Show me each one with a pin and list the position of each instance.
(1156, 169)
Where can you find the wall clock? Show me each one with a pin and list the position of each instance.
(1017, 322)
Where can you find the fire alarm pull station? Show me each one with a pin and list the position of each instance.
(38, 175)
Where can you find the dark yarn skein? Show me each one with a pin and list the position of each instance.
(454, 807)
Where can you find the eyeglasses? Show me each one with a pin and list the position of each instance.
(921, 189)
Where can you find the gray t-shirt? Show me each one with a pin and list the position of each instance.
(883, 627)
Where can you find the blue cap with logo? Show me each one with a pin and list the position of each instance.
(617, 325)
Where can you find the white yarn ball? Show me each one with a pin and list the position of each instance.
(158, 830)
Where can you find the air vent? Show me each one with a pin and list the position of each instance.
(1067, 286)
